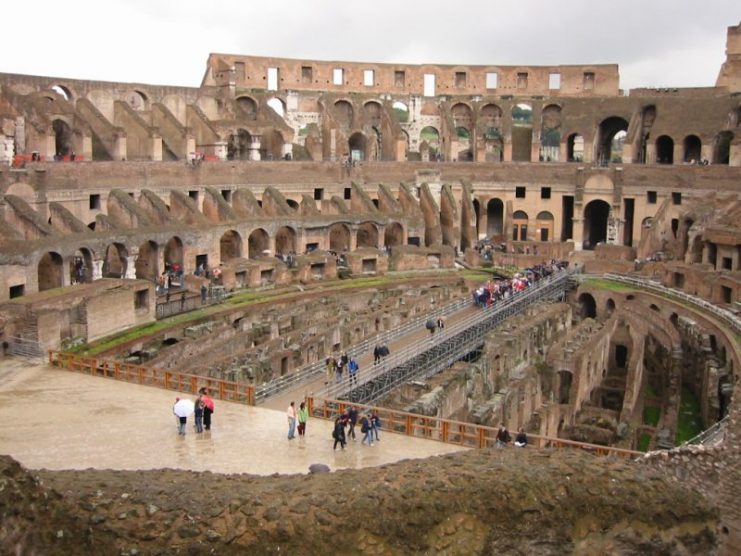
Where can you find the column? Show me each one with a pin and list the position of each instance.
(130, 268)
(97, 270)
(255, 147)
(577, 231)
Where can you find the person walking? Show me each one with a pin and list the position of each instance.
(199, 414)
(375, 421)
(303, 417)
(365, 428)
(339, 433)
(208, 408)
(352, 419)
(291, 414)
(352, 370)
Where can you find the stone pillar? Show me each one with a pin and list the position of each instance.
(706, 152)
(735, 155)
(190, 146)
(588, 152)
(156, 153)
(484, 220)
(255, 147)
(220, 150)
(651, 153)
(287, 150)
(508, 150)
(120, 148)
(577, 231)
(87, 148)
(130, 268)
(563, 151)
(678, 153)
(97, 270)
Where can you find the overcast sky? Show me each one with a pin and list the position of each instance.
(657, 43)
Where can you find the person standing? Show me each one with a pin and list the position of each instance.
(208, 408)
(199, 414)
(365, 428)
(303, 417)
(339, 433)
(291, 414)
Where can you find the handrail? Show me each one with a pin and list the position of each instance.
(709, 432)
(450, 431)
(150, 376)
(413, 349)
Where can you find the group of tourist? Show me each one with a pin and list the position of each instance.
(494, 290)
(298, 416)
(370, 424)
(202, 408)
(503, 438)
(337, 366)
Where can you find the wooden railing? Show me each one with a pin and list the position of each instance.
(451, 432)
(151, 376)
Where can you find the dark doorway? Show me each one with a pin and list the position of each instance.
(596, 214)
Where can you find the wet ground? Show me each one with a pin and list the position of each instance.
(58, 419)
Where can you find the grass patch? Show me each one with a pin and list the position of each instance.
(689, 423)
(604, 284)
(651, 415)
(644, 441)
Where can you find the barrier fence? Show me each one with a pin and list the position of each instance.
(468, 435)
(150, 376)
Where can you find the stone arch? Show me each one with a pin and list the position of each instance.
(248, 106)
(393, 235)
(722, 147)
(277, 105)
(63, 91)
(550, 133)
(174, 253)
(544, 226)
(230, 246)
(114, 262)
(358, 146)
(522, 132)
(285, 241)
(147, 261)
(575, 148)
(271, 146)
(81, 266)
(62, 137)
(565, 379)
(462, 151)
(491, 116)
(692, 149)
(610, 135)
(293, 204)
(367, 235)
(339, 237)
(609, 306)
(22, 190)
(429, 147)
(494, 218)
(137, 100)
(664, 150)
(50, 271)
(238, 145)
(596, 216)
(257, 243)
(462, 115)
(401, 111)
(343, 113)
(519, 225)
(373, 112)
(587, 306)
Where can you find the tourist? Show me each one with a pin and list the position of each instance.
(303, 417)
(351, 415)
(338, 370)
(376, 354)
(291, 414)
(430, 325)
(502, 437)
(375, 424)
(521, 439)
(440, 323)
(365, 428)
(208, 408)
(352, 370)
(339, 433)
(199, 414)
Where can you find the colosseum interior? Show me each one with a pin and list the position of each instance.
(140, 223)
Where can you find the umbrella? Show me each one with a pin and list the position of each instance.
(183, 408)
(208, 402)
(430, 324)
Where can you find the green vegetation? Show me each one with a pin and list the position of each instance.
(689, 423)
(644, 441)
(462, 133)
(651, 415)
(604, 284)
(401, 115)
(430, 135)
(492, 133)
(551, 138)
(522, 114)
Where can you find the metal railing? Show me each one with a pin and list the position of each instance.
(449, 431)
(711, 436)
(309, 372)
(429, 356)
(150, 376)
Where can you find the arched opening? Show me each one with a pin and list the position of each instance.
(462, 145)
(63, 92)
(258, 244)
(519, 225)
(665, 150)
(238, 146)
(137, 100)
(248, 107)
(230, 246)
(401, 111)
(722, 148)
(429, 147)
(114, 263)
(146, 261)
(550, 134)
(654, 307)
(375, 145)
(343, 113)
(62, 137)
(522, 132)
(575, 148)
(393, 235)
(610, 139)
(293, 204)
(278, 107)
(367, 235)
(357, 145)
(564, 386)
(81, 267)
(285, 241)
(692, 149)
(271, 146)
(596, 215)
(544, 226)
(587, 306)
(494, 218)
(174, 254)
(493, 145)
(339, 237)
(372, 111)
(50, 271)
(610, 306)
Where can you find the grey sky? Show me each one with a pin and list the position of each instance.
(677, 43)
